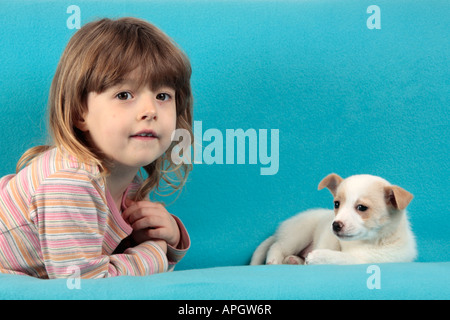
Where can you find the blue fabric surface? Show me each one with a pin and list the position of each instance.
(345, 99)
(397, 281)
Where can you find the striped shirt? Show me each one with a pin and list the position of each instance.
(57, 216)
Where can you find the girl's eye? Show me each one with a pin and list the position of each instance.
(163, 96)
(361, 208)
(124, 95)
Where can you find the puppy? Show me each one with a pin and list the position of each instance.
(368, 225)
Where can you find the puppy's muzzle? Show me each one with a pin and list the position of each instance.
(337, 226)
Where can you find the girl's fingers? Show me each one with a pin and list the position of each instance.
(147, 222)
(138, 210)
(157, 233)
(151, 219)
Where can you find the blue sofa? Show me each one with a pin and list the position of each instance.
(320, 86)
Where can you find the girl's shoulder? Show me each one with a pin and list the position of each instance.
(52, 170)
(59, 164)
(58, 160)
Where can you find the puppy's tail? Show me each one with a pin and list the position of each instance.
(259, 256)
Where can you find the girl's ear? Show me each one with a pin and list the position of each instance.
(81, 124)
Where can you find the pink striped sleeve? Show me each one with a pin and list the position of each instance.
(174, 255)
(70, 212)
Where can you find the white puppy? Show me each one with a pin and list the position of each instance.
(368, 225)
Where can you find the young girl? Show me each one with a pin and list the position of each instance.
(120, 89)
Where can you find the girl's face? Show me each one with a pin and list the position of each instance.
(131, 125)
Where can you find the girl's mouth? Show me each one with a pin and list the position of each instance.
(145, 135)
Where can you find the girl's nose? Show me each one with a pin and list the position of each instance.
(148, 115)
(148, 109)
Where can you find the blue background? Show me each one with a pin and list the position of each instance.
(345, 99)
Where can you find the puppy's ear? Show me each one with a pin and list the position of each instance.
(331, 182)
(398, 197)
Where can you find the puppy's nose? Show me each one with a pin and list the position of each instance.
(337, 226)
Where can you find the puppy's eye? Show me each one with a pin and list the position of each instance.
(361, 208)
(337, 204)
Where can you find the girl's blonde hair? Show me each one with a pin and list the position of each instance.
(99, 56)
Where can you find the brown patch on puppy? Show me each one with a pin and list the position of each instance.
(397, 197)
(332, 181)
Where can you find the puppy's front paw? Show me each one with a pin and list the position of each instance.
(274, 256)
(320, 256)
(274, 260)
(293, 260)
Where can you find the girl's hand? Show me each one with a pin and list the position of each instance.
(151, 221)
